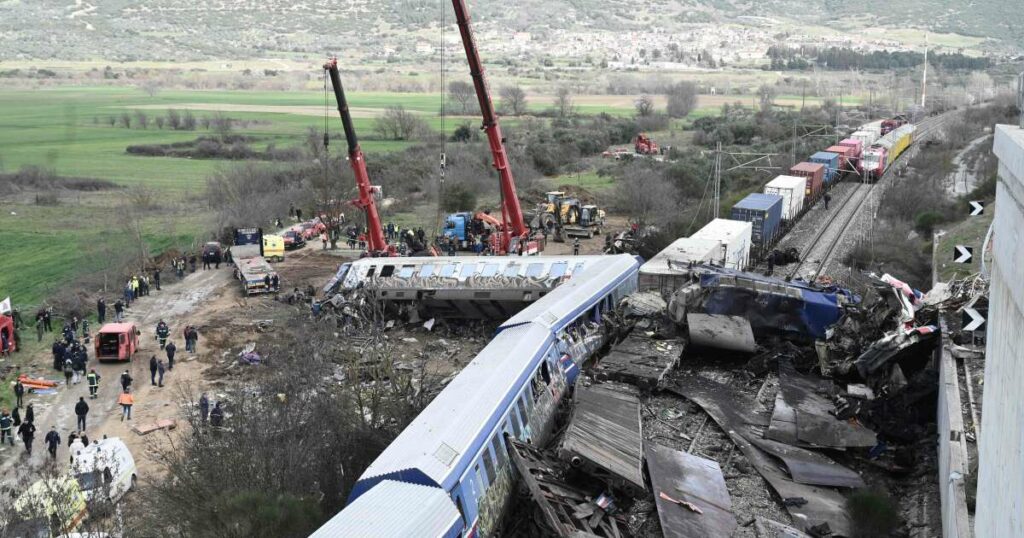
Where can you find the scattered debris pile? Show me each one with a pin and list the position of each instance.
(810, 390)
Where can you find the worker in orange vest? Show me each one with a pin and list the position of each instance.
(126, 400)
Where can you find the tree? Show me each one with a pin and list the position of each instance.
(766, 97)
(141, 120)
(173, 119)
(648, 198)
(462, 93)
(563, 102)
(188, 121)
(682, 99)
(159, 120)
(151, 86)
(397, 123)
(644, 106)
(126, 120)
(458, 197)
(513, 100)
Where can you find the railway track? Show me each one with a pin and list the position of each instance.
(822, 247)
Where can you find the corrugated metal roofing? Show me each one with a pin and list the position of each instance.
(557, 306)
(439, 440)
(395, 510)
(759, 201)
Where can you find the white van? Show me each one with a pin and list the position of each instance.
(105, 470)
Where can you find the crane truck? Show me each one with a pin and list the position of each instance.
(376, 244)
(513, 236)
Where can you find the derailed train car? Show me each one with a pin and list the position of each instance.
(448, 473)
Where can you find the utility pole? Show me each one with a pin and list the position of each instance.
(718, 179)
(924, 78)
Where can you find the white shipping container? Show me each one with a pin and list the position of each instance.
(682, 252)
(791, 189)
(735, 237)
(867, 137)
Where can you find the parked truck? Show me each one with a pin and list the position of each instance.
(251, 268)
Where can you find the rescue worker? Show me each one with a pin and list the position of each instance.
(19, 393)
(69, 371)
(76, 446)
(30, 414)
(576, 247)
(39, 331)
(58, 355)
(162, 332)
(6, 423)
(126, 380)
(119, 311)
(93, 380)
(204, 407)
(28, 434)
(126, 401)
(217, 416)
(827, 200)
(81, 410)
(156, 278)
(101, 309)
(152, 370)
(52, 441)
(170, 349)
(161, 370)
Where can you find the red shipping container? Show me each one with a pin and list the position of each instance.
(815, 174)
(844, 157)
(857, 145)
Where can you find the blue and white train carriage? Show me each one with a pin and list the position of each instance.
(448, 473)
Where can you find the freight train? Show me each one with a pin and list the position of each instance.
(867, 152)
(448, 473)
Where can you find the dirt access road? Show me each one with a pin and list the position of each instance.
(177, 304)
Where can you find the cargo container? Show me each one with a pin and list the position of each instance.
(734, 238)
(815, 174)
(845, 165)
(791, 189)
(866, 138)
(856, 145)
(874, 130)
(764, 212)
(831, 162)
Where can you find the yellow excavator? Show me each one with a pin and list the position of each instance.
(566, 216)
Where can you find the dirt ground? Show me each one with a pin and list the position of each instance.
(212, 301)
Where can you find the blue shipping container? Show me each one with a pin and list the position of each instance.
(831, 162)
(764, 212)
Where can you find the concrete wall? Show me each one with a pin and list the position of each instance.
(1000, 506)
(952, 446)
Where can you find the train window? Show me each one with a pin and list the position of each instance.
(468, 270)
(387, 270)
(427, 271)
(489, 466)
(545, 374)
(373, 269)
(534, 270)
(528, 403)
(516, 428)
(490, 269)
(479, 478)
(448, 270)
(500, 456)
(512, 269)
(558, 270)
(522, 410)
(406, 271)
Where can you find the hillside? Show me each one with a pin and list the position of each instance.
(126, 30)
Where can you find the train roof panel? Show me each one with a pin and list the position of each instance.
(441, 440)
(559, 307)
(395, 509)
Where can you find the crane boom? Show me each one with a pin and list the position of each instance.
(512, 214)
(376, 244)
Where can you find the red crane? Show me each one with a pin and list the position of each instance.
(514, 229)
(376, 244)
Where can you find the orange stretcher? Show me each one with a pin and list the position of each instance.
(40, 383)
